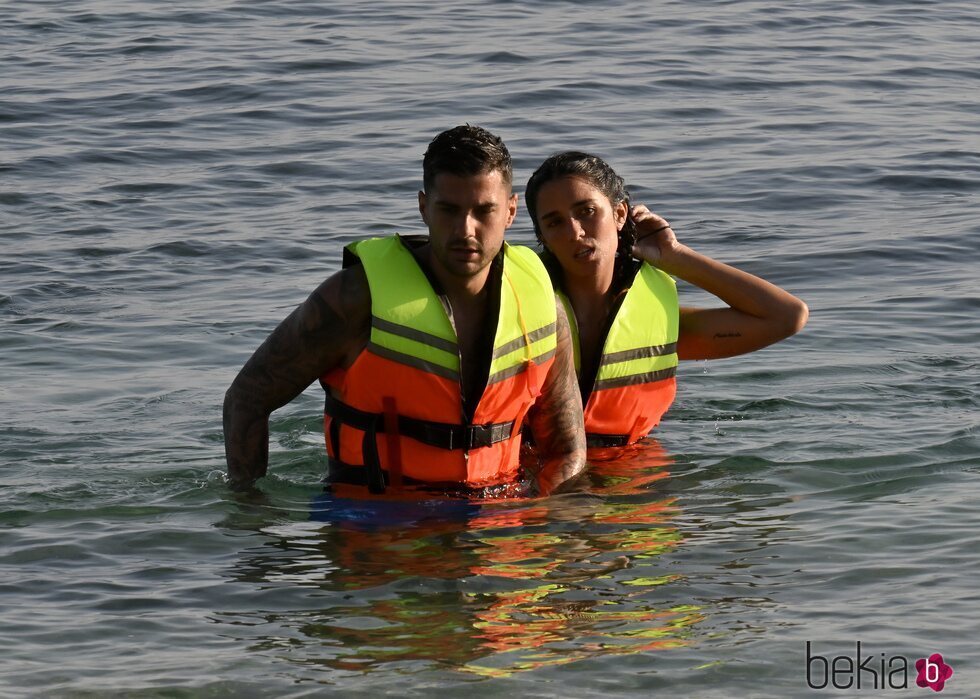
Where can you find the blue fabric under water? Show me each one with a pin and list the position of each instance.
(375, 514)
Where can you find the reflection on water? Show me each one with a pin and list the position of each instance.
(491, 588)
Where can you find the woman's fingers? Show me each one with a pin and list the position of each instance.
(647, 222)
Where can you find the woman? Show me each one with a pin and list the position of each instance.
(612, 265)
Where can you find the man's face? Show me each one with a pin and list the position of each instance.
(467, 217)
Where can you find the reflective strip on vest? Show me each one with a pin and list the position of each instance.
(641, 365)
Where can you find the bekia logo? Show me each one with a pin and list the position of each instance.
(881, 671)
(933, 672)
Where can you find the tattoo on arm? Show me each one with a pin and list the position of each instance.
(316, 337)
(556, 417)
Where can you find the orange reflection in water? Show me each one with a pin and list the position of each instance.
(552, 623)
(501, 587)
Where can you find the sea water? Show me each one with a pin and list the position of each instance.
(175, 178)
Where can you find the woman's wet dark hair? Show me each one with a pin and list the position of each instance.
(598, 173)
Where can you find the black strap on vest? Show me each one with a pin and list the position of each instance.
(443, 435)
(592, 439)
(376, 481)
(606, 440)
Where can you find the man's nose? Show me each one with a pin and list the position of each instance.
(466, 226)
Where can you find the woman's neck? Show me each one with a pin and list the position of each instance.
(590, 292)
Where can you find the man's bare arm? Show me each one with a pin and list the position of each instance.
(556, 418)
(325, 331)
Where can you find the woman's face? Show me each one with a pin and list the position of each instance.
(580, 226)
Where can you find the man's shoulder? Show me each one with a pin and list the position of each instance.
(385, 245)
(346, 293)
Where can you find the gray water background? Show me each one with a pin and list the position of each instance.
(174, 178)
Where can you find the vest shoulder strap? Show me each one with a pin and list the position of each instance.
(526, 324)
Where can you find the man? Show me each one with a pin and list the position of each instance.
(433, 352)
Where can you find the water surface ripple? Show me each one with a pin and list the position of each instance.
(174, 179)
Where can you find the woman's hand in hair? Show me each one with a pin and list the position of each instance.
(655, 239)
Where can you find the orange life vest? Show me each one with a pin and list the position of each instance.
(396, 416)
(635, 382)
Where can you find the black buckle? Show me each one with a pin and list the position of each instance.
(478, 436)
(459, 436)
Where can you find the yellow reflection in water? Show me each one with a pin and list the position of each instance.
(502, 588)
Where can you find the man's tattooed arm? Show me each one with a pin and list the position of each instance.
(556, 419)
(325, 331)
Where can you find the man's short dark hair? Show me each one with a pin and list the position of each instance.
(466, 151)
